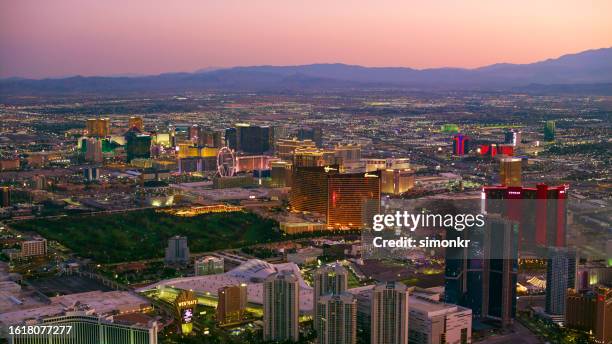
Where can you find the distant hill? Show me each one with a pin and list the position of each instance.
(566, 73)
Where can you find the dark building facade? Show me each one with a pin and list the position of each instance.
(483, 276)
(314, 134)
(137, 145)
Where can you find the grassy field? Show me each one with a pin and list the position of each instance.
(143, 234)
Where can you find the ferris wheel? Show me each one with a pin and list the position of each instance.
(226, 162)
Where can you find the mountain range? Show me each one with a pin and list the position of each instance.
(589, 71)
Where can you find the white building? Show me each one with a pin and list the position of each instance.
(436, 322)
(281, 307)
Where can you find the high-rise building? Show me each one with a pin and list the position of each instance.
(348, 153)
(512, 137)
(510, 171)
(396, 181)
(500, 267)
(460, 144)
(136, 122)
(98, 127)
(483, 277)
(5, 196)
(309, 188)
(314, 134)
(540, 211)
(312, 157)
(353, 199)
(137, 145)
(195, 135)
(231, 138)
(328, 280)
(209, 265)
(549, 131)
(591, 311)
(432, 322)
(389, 313)
(337, 319)
(93, 149)
(284, 148)
(231, 307)
(281, 307)
(560, 276)
(348, 200)
(251, 139)
(281, 174)
(177, 250)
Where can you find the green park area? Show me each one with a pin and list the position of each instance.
(143, 234)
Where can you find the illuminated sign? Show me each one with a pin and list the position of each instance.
(187, 315)
(188, 303)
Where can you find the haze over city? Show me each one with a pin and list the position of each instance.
(71, 37)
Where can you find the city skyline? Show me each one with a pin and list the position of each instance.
(111, 38)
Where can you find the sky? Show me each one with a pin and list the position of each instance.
(58, 38)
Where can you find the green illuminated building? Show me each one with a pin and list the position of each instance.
(450, 128)
(549, 131)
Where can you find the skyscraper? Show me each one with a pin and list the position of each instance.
(136, 122)
(311, 157)
(253, 139)
(389, 313)
(541, 212)
(195, 135)
(353, 199)
(314, 134)
(281, 307)
(281, 174)
(500, 267)
(98, 127)
(93, 149)
(349, 153)
(328, 280)
(284, 148)
(137, 145)
(337, 315)
(396, 181)
(309, 188)
(510, 171)
(460, 144)
(549, 131)
(231, 138)
(483, 277)
(560, 276)
(512, 137)
(231, 307)
(177, 250)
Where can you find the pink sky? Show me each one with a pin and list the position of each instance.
(107, 37)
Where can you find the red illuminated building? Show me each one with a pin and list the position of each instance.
(460, 144)
(541, 211)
